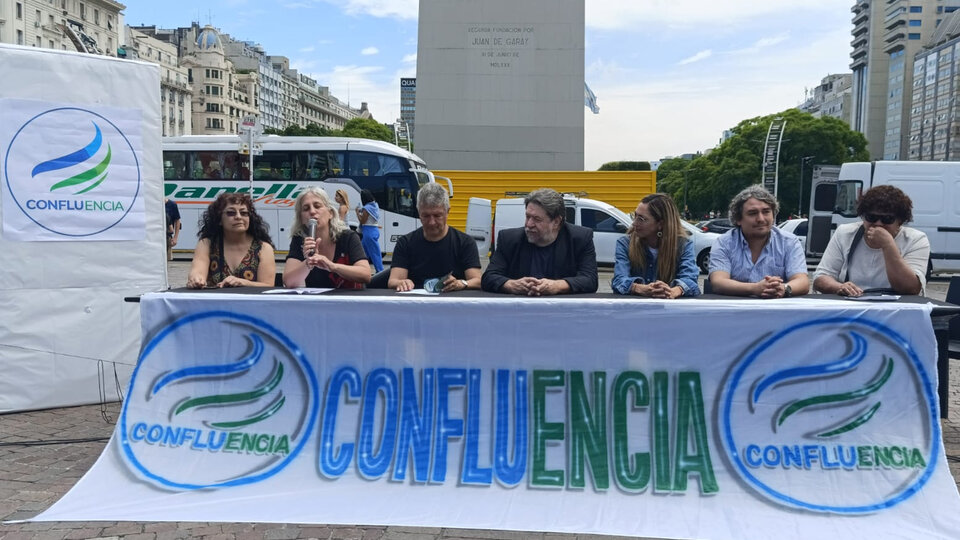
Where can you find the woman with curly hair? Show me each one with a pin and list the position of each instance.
(235, 249)
(332, 256)
(655, 258)
(878, 252)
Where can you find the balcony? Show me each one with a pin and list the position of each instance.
(895, 24)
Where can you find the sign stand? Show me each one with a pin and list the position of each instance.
(250, 132)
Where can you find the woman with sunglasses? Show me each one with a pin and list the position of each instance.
(235, 249)
(655, 258)
(878, 253)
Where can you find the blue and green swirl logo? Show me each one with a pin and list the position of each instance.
(85, 180)
(815, 405)
(73, 172)
(251, 402)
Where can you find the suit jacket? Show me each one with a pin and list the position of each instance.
(575, 259)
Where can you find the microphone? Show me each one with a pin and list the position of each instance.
(312, 227)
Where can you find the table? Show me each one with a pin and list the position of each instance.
(499, 412)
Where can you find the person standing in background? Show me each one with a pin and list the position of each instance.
(173, 226)
(369, 216)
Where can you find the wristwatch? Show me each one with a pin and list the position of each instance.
(465, 285)
(787, 291)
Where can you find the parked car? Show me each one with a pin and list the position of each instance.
(702, 242)
(718, 225)
(798, 227)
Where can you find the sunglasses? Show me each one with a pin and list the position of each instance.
(233, 213)
(886, 219)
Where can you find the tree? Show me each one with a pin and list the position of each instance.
(713, 179)
(312, 130)
(367, 128)
(625, 166)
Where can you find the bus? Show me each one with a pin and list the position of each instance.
(197, 168)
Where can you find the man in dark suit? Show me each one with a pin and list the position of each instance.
(546, 256)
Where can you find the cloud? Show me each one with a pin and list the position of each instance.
(761, 44)
(307, 49)
(370, 51)
(696, 58)
(617, 14)
(409, 58)
(398, 9)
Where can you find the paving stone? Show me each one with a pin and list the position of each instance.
(312, 531)
(85, 532)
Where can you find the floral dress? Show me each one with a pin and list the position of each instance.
(219, 270)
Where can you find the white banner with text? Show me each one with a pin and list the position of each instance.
(737, 420)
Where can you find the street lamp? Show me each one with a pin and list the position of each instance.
(800, 195)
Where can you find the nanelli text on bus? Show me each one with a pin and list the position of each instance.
(197, 168)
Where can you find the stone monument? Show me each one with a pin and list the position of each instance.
(500, 84)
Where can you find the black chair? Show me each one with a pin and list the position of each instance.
(953, 297)
(278, 280)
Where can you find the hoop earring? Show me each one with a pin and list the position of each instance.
(659, 234)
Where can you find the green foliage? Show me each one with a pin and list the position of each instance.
(711, 180)
(625, 166)
(312, 130)
(367, 128)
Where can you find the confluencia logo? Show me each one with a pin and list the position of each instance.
(244, 409)
(807, 417)
(72, 171)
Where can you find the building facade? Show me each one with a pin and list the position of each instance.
(89, 26)
(408, 107)
(886, 37)
(221, 94)
(176, 94)
(934, 123)
(832, 97)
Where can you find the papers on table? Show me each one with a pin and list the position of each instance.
(875, 297)
(301, 290)
(420, 291)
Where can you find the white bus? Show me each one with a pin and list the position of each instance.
(196, 168)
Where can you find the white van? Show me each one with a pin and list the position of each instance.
(608, 223)
(933, 186)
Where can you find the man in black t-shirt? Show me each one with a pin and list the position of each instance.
(435, 250)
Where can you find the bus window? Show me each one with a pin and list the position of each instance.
(233, 162)
(272, 166)
(319, 165)
(207, 166)
(174, 165)
(370, 164)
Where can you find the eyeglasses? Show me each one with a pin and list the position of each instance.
(233, 213)
(886, 219)
(637, 217)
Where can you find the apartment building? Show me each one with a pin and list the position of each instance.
(89, 26)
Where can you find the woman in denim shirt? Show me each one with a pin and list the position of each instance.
(655, 258)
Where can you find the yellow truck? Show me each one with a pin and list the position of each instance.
(622, 189)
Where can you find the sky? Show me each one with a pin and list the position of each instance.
(670, 75)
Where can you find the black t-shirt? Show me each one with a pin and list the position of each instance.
(423, 260)
(541, 260)
(348, 251)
